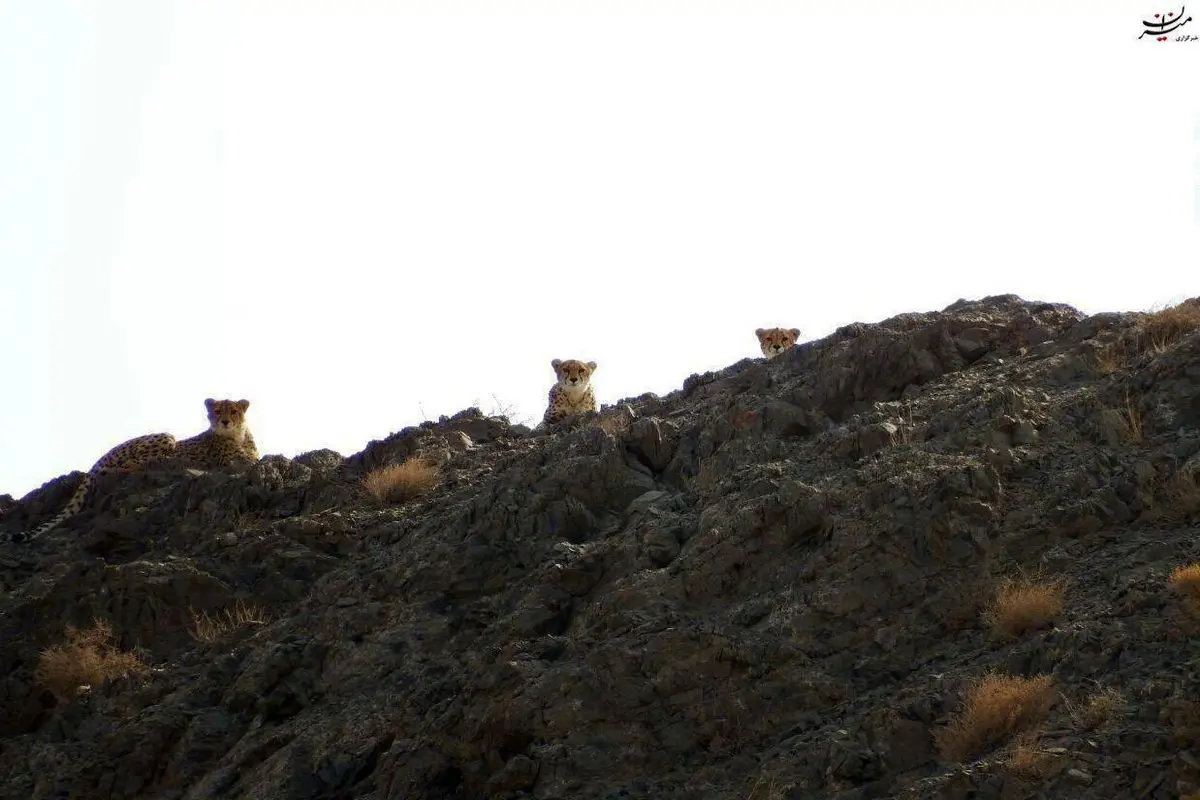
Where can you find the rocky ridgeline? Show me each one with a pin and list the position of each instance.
(772, 583)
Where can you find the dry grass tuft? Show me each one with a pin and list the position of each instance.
(1164, 327)
(1176, 499)
(1098, 709)
(765, 788)
(995, 707)
(1154, 332)
(1028, 760)
(207, 627)
(88, 658)
(1131, 415)
(397, 483)
(1186, 581)
(1111, 357)
(1023, 604)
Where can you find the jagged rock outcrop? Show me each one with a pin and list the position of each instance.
(766, 584)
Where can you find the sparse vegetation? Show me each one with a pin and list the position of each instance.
(1186, 581)
(1131, 415)
(1023, 604)
(765, 788)
(1111, 357)
(1178, 498)
(247, 521)
(508, 411)
(207, 627)
(1154, 332)
(1166, 326)
(1027, 759)
(1098, 709)
(397, 483)
(88, 658)
(995, 706)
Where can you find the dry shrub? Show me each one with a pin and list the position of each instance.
(207, 627)
(1175, 499)
(1186, 581)
(1112, 357)
(765, 788)
(396, 483)
(1131, 415)
(1166, 326)
(88, 658)
(1027, 759)
(1098, 709)
(995, 706)
(1156, 331)
(1023, 604)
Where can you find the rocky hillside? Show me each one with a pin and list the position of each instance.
(933, 557)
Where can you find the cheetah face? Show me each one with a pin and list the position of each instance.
(227, 417)
(773, 341)
(573, 375)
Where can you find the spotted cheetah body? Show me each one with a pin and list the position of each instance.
(227, 442)
(572, 394)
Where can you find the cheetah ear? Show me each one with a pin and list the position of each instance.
(209, 403)
(243, 404)
(555, 364)
(759, 332)
(591, 365)
(795, 332)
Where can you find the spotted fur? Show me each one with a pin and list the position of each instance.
(572, 394)
(226, 442)
(773, 341)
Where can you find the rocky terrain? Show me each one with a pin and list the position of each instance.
(780, 581)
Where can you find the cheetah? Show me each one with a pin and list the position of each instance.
(226, 442)
(773, 341)
(572, 394)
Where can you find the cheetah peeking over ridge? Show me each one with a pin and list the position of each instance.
(773, 341)
(226, 442)
(572, 394)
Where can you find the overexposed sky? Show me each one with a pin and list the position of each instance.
(361, 214)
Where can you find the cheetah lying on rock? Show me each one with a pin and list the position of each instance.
(773, 341)
(572, 394)
(227, 442)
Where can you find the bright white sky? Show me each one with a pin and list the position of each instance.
(358, 215)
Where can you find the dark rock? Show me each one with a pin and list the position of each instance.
(771, 582)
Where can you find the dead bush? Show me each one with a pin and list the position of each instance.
(1186, 581)
(1023, 604)
(1027, 759)
(1166, 326)
(207, 627)
(1098, 709)
(995, 706)
(1154, 332)
(1131, 415)
(397, 483)
(88, 658)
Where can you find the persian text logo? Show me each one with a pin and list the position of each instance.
(1166, 22)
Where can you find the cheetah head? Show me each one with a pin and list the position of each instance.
(227, 417)
(773, 341)
(573, 376)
